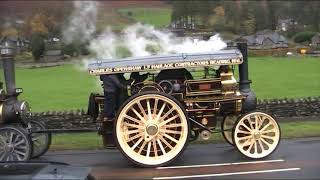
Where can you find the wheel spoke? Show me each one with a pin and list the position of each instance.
(11, 137)
(149, 110)
(165, 142)
(167, 114)
(142, 147)
(171, 138)
(170, 131)
(139, 115)
(149, 149)
(265, 142)
(137, 143)
(246, 143)
(168, 120)
(133, 125)
(250, 147)
(155, 106)
(268, 131)
(18, 157)
(256, 118)
(19, 152)
(141, 109)
(243, 132)
(250, 123)
(134, 137)
(161, 147)
(20, 142)
(36, 138)
(160, 112)
(255, 147)
(265, 127)
(267, 137)
(134, 131)
(262, 121)
(244, 125)
(172, 125)
(132, 119)
(155, 150)
(244, 138)
(261, 145)
(2, 139)
(3, 156)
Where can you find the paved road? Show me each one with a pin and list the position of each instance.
(296, 159)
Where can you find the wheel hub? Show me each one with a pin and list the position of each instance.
(152, 129)
(256, 135)
(9, 148)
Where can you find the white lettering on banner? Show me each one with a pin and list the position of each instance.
(166, 66)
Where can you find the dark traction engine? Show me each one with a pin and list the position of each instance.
(17, 142)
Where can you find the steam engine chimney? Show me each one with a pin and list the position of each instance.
(250, 103)
(7, 57)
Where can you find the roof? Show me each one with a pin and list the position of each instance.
(316, 37)
(173, 61)
(260, 36)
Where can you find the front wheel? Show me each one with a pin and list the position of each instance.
(256, 135)
(152, 129)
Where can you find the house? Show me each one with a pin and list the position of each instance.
(20, 43)
(286, 24)
(265, 39)
(315, 40)
(53, 50)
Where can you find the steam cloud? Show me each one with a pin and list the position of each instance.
(135, 40)
(82, 22)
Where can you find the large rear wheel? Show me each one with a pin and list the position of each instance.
(256, 135)
(15, 144)
(227, 126)
(152, 129)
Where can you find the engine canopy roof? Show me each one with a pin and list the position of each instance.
(159, 62)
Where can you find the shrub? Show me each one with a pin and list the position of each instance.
(37, 46)
(71, 49)
(76, 48)
(304, 36)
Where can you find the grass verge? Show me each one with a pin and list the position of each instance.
(92, 141)
(158, 17)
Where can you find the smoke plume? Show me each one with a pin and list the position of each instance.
(134, 40)
(81, 24)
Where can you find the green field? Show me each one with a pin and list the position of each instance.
(67, 87)
(158, 17)
(285, 77)
(57, 88)
(93, 141)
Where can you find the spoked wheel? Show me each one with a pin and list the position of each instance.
(40, 141)
(15, 144)
(152, 129)
(256, 135)
(227, 126)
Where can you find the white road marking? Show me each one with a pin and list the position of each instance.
(221, 164)
(227, 174)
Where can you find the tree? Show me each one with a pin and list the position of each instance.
(38, 24)
(250, 24)
(9, 31)
(37, 45)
